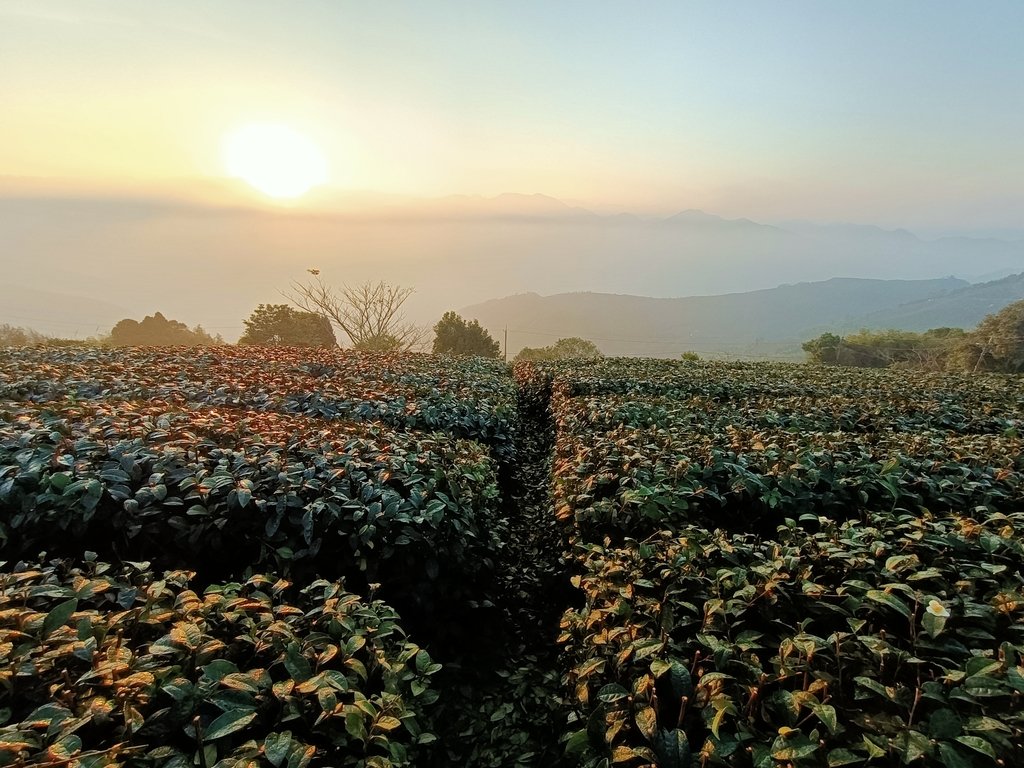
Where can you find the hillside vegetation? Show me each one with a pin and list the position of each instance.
(996, 345)
(767, 323)
(265, 556)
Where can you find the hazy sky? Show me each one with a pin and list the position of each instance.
(898, 113)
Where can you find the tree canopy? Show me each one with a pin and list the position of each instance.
(383, 342)
(996, 345)
(157, 330)
(453, 335)
(564, 349)
(879, 349)
(280, 324)
(370, 314)
(13, 336)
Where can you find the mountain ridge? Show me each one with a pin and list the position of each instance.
(770, 321)
(186, 259)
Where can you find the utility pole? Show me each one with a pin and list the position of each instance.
(505, 347)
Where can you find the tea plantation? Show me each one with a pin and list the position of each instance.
(289, 558)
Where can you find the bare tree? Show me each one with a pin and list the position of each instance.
(369, 314)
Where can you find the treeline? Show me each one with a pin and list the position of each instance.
(996, 345)
(153, 330)
(368, 317)
(13, 336)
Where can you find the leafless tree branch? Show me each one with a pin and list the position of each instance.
(370, 314)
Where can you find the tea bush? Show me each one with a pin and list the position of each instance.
(756, 565)
(109, 666)
(225, 490)
(789, 566)
(467, 397)
(892, 640)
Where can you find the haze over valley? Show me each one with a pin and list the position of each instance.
(90, 261)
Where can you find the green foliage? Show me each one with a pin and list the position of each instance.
(878, 349)
(383, 342)
(280, 324)
(573, 348)
(307, 463)
(897, 638)
(13, 336)
(467, 397)
(453, 335)
(515, 718)
(156, 330)
(824, 349)
(770, 565)
(110, 666)
(788, 566)
(690, 357)
(637, 481)
(997, 344)
(252, 490)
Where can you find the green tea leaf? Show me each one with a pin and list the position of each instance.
(59, 616)
(838, 757)
(951, 756)
(276, 747)
(611, 693)
(978, 744)
(672, 749)
(228, 723)
(890, 600)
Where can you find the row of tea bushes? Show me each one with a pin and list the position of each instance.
(223, 490)
(725, 382)
(788, 566)
(894, 641)
(355, 468)
(467, 397)
(635, 481)
(106, 667)
(820, 413)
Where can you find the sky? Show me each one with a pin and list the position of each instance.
(899, 114)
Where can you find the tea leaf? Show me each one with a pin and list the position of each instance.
(228, 723)
(59, 616)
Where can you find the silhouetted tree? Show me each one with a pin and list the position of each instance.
(454, 335)
(13, 336)
(156, 330)
(824, 349)
(879, 349)
(997, 344)
(281, 324)
(385, 342)
(563, 349)
(370, 315)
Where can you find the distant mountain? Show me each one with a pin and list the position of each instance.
(756, 322)
(961, 308)
(212, 264)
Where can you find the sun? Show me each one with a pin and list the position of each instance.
(275, 159)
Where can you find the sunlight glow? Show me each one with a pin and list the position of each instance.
(275, 159)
